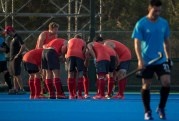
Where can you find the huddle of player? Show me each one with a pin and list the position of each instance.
(111, 59)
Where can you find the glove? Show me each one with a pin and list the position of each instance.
(170, 63)
(139, 74)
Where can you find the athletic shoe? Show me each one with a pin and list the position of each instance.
(12, 92)
(32, 97)
(118, 96)
(61, 97)
(72, 97)
(108, 97)
(97, 96)
(21, 92)
(40, 97)
(103, 98)
(122, 97)
(161, 113)
(80, 97)
(86, 96)
(148, 116)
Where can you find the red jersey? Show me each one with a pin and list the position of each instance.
(33, 56)
(56, 44)
(122, 51)
(75, 48)
(110, 51)
(100, 52)
(47, 38)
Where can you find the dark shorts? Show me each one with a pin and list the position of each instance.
(3, 66)
(15, 66)
(85, 69)
(50, 60)
(102, 67)
(112, 64)
(75, 63)
(160, 70)
(31, 68)
(123, 65)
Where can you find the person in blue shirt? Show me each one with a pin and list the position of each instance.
(151, 35)
(3, 63)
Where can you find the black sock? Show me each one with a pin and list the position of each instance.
(164, 92)
(146, 99)
(7, 78)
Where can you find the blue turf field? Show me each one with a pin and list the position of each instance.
(21, 108)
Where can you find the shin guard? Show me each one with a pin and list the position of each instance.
(70, 83)
(32, 88)
(80, 86)
(122, 86)
(37, 84)
(110, 85)
(58, 86)
(49, 84)
(86, 85)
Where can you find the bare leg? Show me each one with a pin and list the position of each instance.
(19, 81)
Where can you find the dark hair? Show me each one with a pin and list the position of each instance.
(78, 36)
(53, 25)
(155, 3)
(98, 39)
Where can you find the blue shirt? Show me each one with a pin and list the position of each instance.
(152, 36)
(2, 54)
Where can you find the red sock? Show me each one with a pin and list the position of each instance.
(70, 83)
(58, 86)
(49, 84)
(110, 85)
(80, 86)
(122, 86)
(37, 87)
(86, 85)
(97, 85)
(102, 84)
(74, 86)
(32, 88)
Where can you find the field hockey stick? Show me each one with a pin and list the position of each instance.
(136, 70)
(116, 81)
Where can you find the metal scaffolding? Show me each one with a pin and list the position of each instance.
(72, 10)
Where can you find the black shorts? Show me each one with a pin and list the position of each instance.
(112, 63)
(75, 63)
(31, 68)
(50, 60)
(85, 69)
(123, 65)
(102, 67)
(15, 66)
(3, 66)
(160, 70)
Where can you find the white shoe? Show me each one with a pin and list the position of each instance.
(148, 116)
